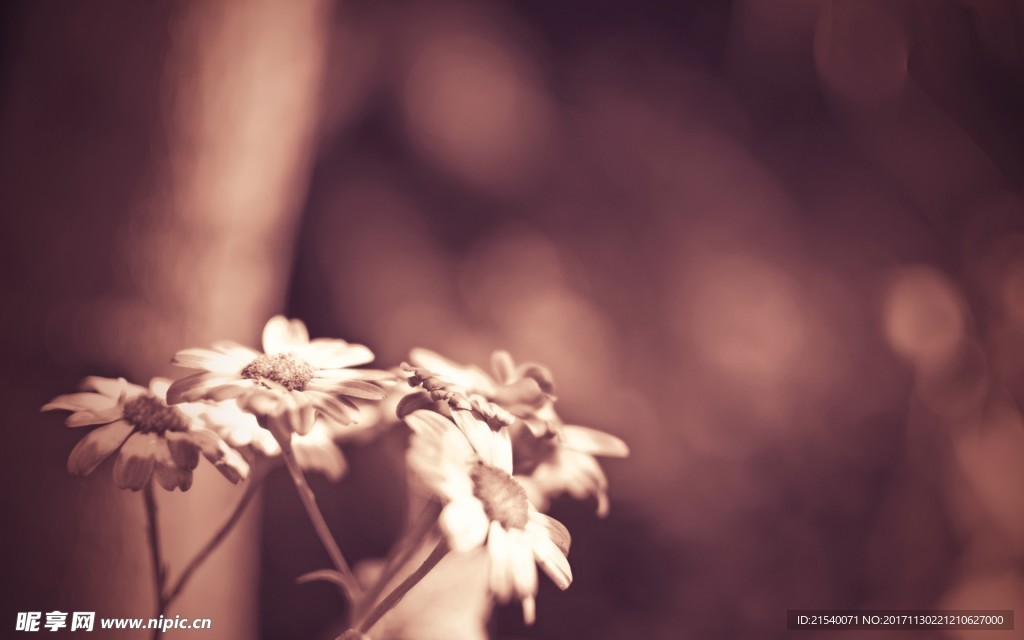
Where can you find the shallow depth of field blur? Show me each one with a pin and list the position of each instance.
(777, 247)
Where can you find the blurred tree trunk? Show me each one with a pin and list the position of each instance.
(155, 159)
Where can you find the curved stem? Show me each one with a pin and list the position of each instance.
(393, 598)
(403, 551)
(159, 571)
(319, 524)
(250, 491)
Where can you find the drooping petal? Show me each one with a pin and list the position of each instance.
(171, 477)
(99, 416)
(530, 605)
(229, 462)
(96, 446)
(524, 572)
(592, 441)
(500, 557)
(135, 462)
(183, 450)
(368, 375)
(300, 412)
(553, 529)
(464, 523)
(82, 401)
(167, 472)
(551, 560)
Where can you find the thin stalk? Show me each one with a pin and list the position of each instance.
(319, 524)
(156, 555)
(393, 598)
(250, 491)
(403, 551)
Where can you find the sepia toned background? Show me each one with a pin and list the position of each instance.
(778, 248)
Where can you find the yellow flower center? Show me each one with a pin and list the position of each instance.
(149, 415)
(283, 368)
(503, 498)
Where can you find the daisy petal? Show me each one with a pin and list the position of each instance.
(539, 374)
(498, 551)
(229, 462)
(159, 386)
(80, 401)
(351, 388)
(503, 366)
(478, 434)
(427, 422)
(319, 454)
(368, 375)
(530, 606)
(337, 410)
(464, 524)
(281, 335)
(183, 450)
(200, 386)
(524, 570)
(110, 387)
(96, 446)
(171, 477)
(594, 442)
(217, 361)
(167, 472)
(553, 529)
(415, 401)
(324, 353)
(100, 416)
(501, 450)
(469, 377)
(135, 462)
(551, 560)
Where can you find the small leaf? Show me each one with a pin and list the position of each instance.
(326, 575)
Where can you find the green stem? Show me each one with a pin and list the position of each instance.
(393, 598)
(159, 571)
(250, 491)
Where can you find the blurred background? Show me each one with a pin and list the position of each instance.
(776, 247)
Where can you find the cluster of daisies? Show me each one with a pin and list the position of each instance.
(491, 449)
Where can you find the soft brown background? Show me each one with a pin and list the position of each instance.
(776, 247)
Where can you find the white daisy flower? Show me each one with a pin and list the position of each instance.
(486, 507)
(150, 438)
(551, 457)
(306, 377)
(526, 391)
